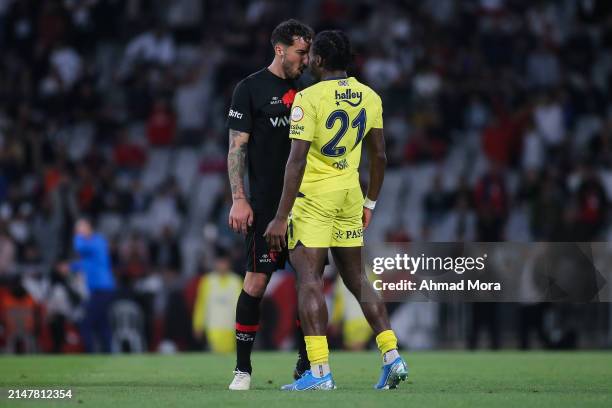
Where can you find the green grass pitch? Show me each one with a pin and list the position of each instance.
(445, 379)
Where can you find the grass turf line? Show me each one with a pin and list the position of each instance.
(457, 379)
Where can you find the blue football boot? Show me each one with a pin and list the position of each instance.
(309, 382)
(392, 374)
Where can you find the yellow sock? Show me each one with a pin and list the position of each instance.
(386, 341)
(316, 348)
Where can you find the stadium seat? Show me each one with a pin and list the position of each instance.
(127, 322)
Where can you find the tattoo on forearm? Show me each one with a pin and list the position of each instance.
(236, 162)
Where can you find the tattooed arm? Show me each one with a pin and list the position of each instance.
(236, 162)
(241, 213)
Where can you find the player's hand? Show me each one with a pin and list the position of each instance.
(367, 216)
(240, 216)
(275, 234)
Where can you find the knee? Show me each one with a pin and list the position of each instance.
(310, 288)
(255, 284)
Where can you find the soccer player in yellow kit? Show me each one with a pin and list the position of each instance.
(329, 122)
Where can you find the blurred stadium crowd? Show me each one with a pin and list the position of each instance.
(498, 125)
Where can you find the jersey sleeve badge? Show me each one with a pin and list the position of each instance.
(297, 113)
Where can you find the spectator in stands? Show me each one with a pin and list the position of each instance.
(133, 259)
(491, 200)
(20, 316)
(165, 251)
(154, 47)
(166, 208)
(20, 227)
(66, 294)
(591, 205)
(138, 199)
(543, 67)
(600, 146)
(533, 150)
(67, 64)
(437, 202)
(191, 99)
(546, 198)
(161, 125)
(548, 118)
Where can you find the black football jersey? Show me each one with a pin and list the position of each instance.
(260, 106)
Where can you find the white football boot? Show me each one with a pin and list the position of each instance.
(241, 381)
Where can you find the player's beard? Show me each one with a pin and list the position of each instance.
(289, 73)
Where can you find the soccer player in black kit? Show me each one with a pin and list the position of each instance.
(258, 122)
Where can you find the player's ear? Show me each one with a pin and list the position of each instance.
(280, 49)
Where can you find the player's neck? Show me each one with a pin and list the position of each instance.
(277, 69)
(333, 75)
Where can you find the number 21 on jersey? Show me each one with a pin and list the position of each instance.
(331, 148)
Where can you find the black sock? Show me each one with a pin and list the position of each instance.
(247, 324)
(302, 364)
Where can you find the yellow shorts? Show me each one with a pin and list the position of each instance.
(325, 220)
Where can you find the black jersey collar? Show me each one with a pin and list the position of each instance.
(335, 78)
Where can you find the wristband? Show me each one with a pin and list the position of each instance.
(369, 204)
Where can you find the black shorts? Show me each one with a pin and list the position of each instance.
(259, 258)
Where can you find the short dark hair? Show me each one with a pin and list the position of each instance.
(285, 32)
(334, 48)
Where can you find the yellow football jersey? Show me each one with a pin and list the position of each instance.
(334, 115)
